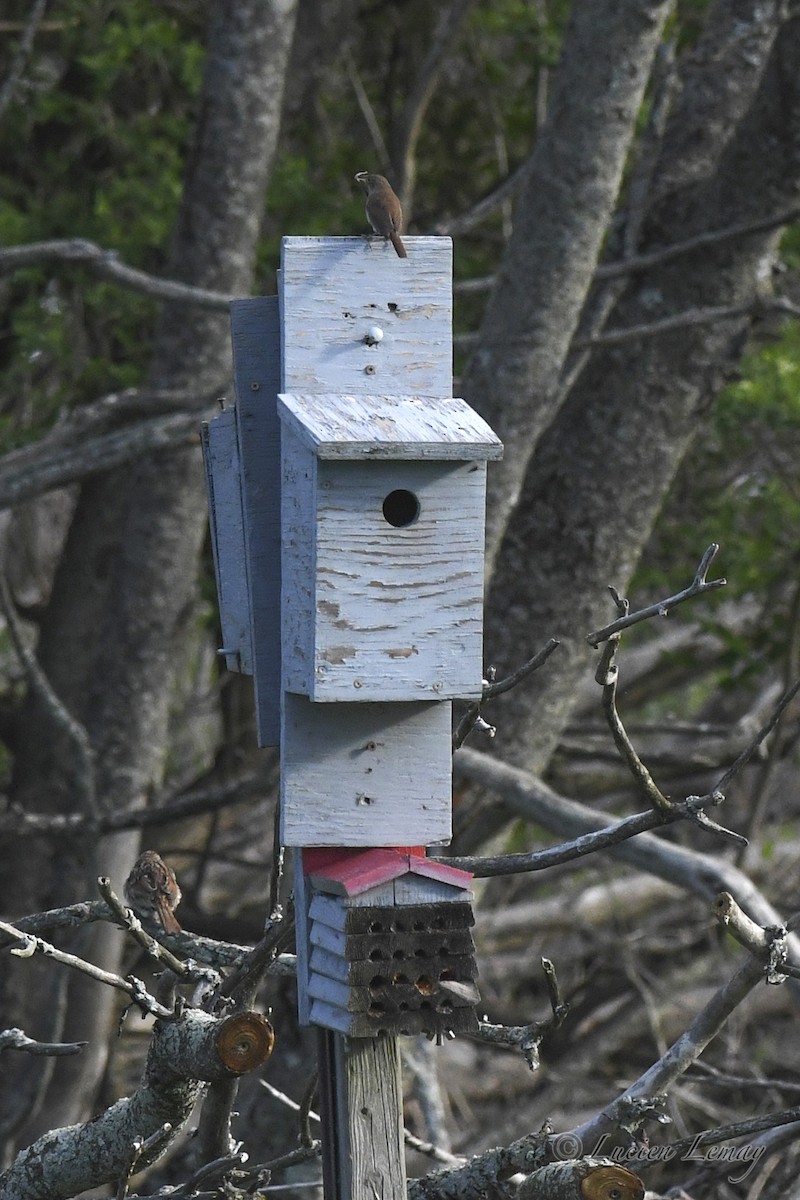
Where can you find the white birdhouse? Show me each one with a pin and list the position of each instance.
(383, 501)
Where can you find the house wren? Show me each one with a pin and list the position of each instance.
(383, 209)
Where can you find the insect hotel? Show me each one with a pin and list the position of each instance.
(347, 499)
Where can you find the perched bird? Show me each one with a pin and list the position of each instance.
(383, 209)
(153, 893)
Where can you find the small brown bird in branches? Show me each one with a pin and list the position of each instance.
(152, 891)
(383, 209)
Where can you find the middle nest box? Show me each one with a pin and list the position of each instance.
(382, 517)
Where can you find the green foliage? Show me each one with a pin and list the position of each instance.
(740, 487)
(97, 140)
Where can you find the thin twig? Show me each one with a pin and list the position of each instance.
(15, 1039)
(697, 587)
(432, 1151)
(606, 675)
(724, 1133)
(287, 1100)
(131, 986)
(304, 1111)
(765, 730)
(553, 856)
(129, 921)
(492, 689)
(528, 1038)
(140, 1147)
(244, 980)
(487, 207)
(278, 861)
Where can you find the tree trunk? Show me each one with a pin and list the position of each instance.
(559, 225)
(602, 469)
(124, 593)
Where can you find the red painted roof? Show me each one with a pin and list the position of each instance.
(353, 872)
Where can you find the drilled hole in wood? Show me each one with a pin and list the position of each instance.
(401, 508)
(399, 954)
(377, 983)
(376, 1010)
(424, 986)
(375, 927)
(376, 955)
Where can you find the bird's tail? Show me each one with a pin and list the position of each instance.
(398, 245)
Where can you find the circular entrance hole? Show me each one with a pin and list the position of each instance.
(401, 508)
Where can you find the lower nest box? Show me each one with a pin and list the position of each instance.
(394, 954)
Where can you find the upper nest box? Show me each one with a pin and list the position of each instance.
(382, 523)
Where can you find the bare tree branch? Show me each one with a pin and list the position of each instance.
(15, 1039)
(449, 21)
(698, 585)
(22, 54)
(494, 688)
(680, 1055)
(687, 320)
(54, 466)
(131, 986)
(714, 237)
(107, 265)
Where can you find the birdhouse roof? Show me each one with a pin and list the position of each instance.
(336, 426)
(354, 873)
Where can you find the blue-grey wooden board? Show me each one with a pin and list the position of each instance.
(365, 774)
(221, 458)
(356, 318)
(256, 362)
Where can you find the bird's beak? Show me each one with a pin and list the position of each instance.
(360, 177)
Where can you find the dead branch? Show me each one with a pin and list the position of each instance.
(107, 264)
(699, 873)
(697, 587)
(689, 319)
(494, 688)
(131, 986)
(528, 1038)
(15, 1039)
(187, 1052)
(701, 241)
(621, 1113)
